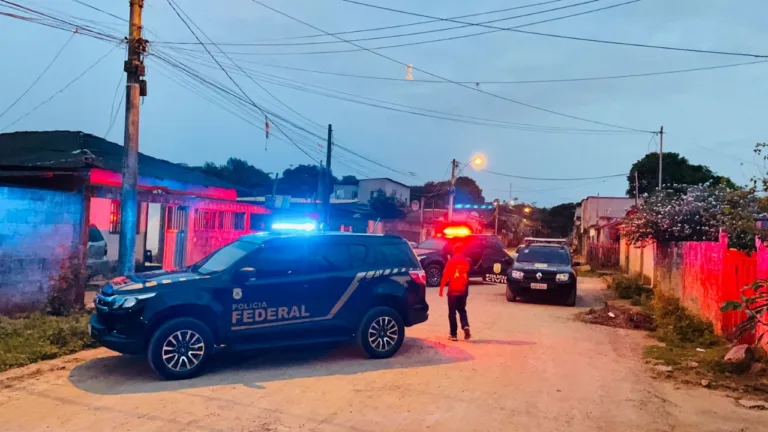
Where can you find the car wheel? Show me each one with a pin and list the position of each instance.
(434, 275)
(510, 297)
(381, 333)
(180, 349)
(571, 300)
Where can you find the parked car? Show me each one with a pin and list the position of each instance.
(543, 270)
(266, 290)
(485, 252)
(97, 262)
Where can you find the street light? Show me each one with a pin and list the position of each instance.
(478, 161)
(527, 210)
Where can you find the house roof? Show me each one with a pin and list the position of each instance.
(386, 178)
(74, 149)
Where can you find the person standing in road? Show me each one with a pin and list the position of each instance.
(456, 275)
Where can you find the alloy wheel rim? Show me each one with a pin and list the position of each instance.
(383, 333)
(183, 350)
(433, 276)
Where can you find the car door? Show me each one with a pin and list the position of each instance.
(272, 303)
(495, 262)
(474, 251)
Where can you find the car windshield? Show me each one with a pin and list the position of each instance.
(224, 257)
(433, 244)
(547, 255)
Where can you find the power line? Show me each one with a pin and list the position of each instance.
(82, 3)
(446, 79)
(372, 29)
(540, 81)
(554, 179)
(61, 90)
(423, 32)
(48, 66)
(637, 45)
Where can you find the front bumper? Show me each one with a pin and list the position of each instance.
(114, 340)
(523, 288)
(418, 314)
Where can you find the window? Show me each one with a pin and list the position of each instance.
(280, 259)
(239, 223)
(114, 217)
(433, 244)
(395, 255)
(258, 222)
(224, 257)
(205, 220)
(549, 255)
(358, 256)
(330, 257)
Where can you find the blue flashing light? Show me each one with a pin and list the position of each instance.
(292, 226)
(475, 206)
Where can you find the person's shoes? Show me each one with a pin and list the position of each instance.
(467, 334)
(453, 338)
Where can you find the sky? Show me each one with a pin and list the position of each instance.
(712, 117)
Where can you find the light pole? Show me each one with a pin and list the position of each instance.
(496, 217)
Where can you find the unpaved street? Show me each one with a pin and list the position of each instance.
(530, 368)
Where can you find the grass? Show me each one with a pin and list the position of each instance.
(676, 326)
(631, 288)
(31, 338)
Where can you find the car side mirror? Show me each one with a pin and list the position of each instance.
(576, 264)
(244, 275)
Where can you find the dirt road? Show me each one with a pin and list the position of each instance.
(530, 368)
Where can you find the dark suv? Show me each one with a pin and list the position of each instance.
(485, 252)
(266, 290)
(542, 270)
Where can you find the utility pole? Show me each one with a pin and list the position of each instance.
(661, 153)
(637, 189)
(496, 224)
(452, 191)
(274, 185)
(421, 220)
(328, 179)
(135, 88)
(510, 192)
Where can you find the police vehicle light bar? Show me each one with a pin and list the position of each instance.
(292, 226)
(456, 231)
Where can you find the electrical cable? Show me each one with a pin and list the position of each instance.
(554, 179)
(637, 45)
(446, 79)
(39, 76)
(58, 92)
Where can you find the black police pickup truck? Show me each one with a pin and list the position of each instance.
(542, 269)
(266, 290)
(485, 252)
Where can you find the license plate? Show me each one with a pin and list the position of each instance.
(495, 278)
(540, 286)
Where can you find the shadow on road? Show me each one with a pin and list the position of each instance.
(120, 375)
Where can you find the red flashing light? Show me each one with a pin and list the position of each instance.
(456, 231)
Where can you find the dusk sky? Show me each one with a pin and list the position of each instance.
(712, 117)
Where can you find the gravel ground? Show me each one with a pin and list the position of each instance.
(530, 367)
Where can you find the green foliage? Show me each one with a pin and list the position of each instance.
(385, 206)
(629, 287)
(238, 172)
(467, 192)
(558, 220)
(32, 338)
(677, 174)
(698, 214)
(754, 303)
(676, 326)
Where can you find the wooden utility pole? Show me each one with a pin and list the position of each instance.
(328, 179)
(452, 191)
(661, 154)
(135, 88)
(637, 189)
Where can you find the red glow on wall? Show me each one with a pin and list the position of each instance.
(104, 177)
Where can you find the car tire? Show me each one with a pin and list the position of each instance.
(194, 342)
(510, 297)
(570, 301)
(434, 274)
(381, 333)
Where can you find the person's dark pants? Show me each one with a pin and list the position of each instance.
(457, 303)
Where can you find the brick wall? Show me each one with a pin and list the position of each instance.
(38, 229)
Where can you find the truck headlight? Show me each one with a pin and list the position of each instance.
(562, 277)
(516, 275)
(129, 301)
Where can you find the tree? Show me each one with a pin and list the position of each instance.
(467, 192)
(349, 180)
(237, 172)
(558, 220)
(698, 214)
(386, 206)
(677, 173)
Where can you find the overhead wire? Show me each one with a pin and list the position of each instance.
(40, 75)
(378, 54)
(554, 179)
(575, 38)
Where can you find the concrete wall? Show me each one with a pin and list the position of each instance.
(345, 191)
(640, 261)
(368, 187)
(38, 230)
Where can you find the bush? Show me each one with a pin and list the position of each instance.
(676, 326)
(629, 287)
(35, 337)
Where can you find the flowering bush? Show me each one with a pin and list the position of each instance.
(698, 214)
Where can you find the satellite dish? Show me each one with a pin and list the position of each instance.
(415, 205)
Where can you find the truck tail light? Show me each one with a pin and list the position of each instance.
(418, 276)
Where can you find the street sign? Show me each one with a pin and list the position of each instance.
(415, 205)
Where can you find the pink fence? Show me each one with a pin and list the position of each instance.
(707, 274)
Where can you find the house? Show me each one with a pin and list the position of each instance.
(366, 189)
(58, 188)
(597, 217)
